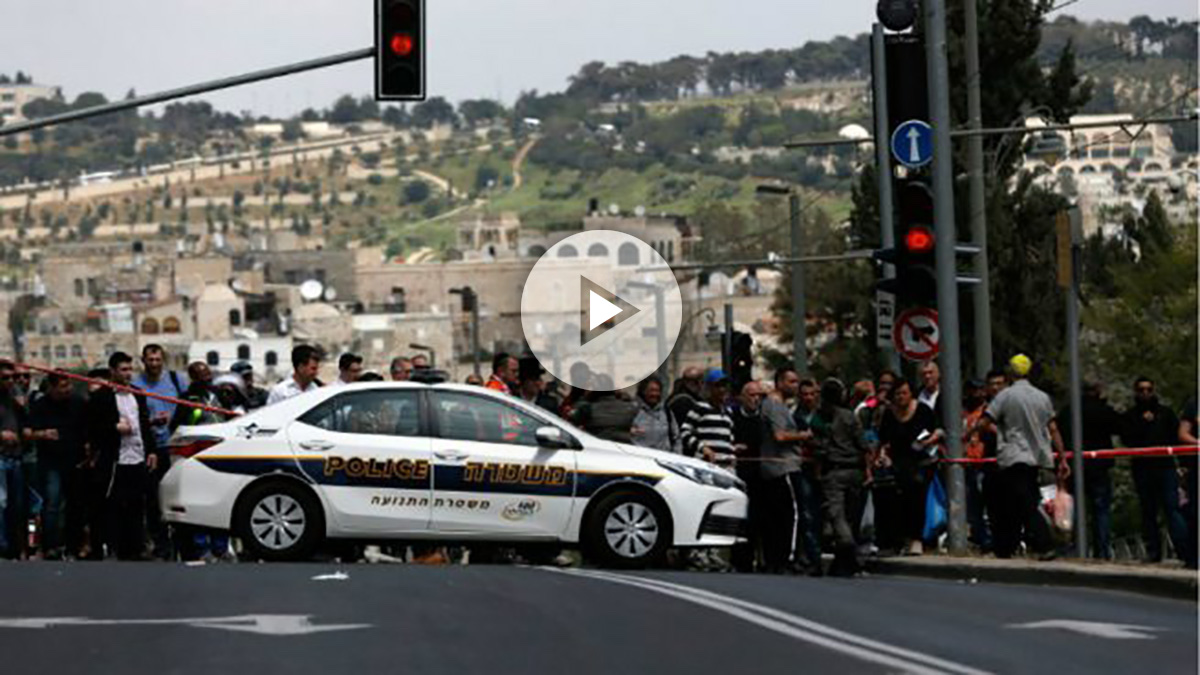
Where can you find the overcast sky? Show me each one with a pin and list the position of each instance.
(477, 48)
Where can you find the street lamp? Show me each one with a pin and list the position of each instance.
(799, 308)
(470, 303)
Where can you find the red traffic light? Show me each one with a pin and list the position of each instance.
(918, 239)
(402, 44)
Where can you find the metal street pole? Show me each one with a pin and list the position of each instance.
(1070, 233)
(799, 306)
(883, 163)
(980, 294)
(474, 329)
(191, 90)
(727, 347)
(947, 286)
(660, 319)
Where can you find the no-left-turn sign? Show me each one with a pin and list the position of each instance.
(916, 334)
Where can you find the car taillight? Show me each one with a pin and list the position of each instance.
(192, 445)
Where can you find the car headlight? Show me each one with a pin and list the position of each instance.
(703, 476)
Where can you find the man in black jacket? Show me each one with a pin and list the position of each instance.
(749, 431)
(12, 481)
(55, 423)
(1100, 424)
(121, 436)
(1150, 424)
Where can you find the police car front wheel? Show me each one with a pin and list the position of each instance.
(628, 529)
(279, 521)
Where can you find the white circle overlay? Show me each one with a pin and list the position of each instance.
(601, 270)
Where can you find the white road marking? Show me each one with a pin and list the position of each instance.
(791, 625)
(1108, 631)
(262, 624)
(333, 576)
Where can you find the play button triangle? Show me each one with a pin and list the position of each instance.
(602, 310)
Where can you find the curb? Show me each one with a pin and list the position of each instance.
(1173, 584)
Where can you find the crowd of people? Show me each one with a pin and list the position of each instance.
(820, 460)
(826, 466)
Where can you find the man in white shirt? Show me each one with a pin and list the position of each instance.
(123, 441)
(931, 386)
(350, 368)
(306, 363)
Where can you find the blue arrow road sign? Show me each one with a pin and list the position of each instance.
(912, 143)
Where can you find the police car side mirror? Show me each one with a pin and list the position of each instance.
(552, 438)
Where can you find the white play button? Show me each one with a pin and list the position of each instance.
(602, 308)
(577, 326)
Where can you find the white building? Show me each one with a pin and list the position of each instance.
(13, 98)
(270, 356)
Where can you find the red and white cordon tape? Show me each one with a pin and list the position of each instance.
(1161, 451)
(131, 390)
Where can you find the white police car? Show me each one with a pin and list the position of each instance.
(443, 462)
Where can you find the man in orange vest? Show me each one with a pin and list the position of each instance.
(505, 371)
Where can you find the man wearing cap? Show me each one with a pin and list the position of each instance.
(708, 430)
(256, 397)
(1026, 448)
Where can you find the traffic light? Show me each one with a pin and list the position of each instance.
(742, 358)
(916, 242)
(400, 50)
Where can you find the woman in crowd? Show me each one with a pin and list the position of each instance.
(654, 427)
(909, 437)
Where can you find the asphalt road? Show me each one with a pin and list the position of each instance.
(68, 618)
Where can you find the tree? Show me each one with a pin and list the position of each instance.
(292, 131)
(416, 192)
(480, 110)
(395, 116)
(345, 110)
(485, 177)
(1159, 289)
(368, 108)
(1065, 92)
(434, 111)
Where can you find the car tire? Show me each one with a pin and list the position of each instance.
(279, 521)
(627, 530)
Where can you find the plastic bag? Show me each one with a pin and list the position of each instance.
(936, 515)
(867, 524)
(1064, 511)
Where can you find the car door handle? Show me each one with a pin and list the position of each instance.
(452, 455)
(316, 445)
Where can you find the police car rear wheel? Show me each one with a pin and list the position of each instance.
(629, 530)
(279, 521)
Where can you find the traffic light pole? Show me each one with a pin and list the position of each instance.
(799, 306)
(883, 164)
(727, 347)
(191, 90)
(1070, 236)
(474, 330)
(980, 293)
(947, 286)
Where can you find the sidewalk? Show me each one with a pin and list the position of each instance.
(1163, 581)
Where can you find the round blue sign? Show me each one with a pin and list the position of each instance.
(912, 143)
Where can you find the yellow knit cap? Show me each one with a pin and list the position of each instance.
(1020, 364)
